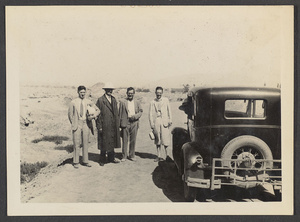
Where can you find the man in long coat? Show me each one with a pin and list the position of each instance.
(108, 125)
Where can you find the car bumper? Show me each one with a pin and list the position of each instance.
(202, 183)
(223, 176)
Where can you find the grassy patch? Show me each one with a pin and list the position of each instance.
(29, 170)
(56, 139)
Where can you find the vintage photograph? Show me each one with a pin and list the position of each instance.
(157, 109)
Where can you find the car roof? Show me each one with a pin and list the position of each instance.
(236, 91)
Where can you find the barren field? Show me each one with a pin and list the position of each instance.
(49, 139)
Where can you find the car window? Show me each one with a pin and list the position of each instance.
(245, 108)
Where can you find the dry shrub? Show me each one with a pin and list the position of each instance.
(30, 170)
(142, 90)
(67, 100)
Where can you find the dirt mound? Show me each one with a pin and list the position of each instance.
(97, 90)
(97, 87)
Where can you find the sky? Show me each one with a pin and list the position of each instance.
(145, 46)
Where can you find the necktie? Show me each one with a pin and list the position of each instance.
(81, 109)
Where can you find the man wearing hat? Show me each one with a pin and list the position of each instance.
(80, 117)
(108, 126)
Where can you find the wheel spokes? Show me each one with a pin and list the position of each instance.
(246, 157)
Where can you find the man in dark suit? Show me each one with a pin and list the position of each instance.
(80, 119)
(130, 112)
(108, 125)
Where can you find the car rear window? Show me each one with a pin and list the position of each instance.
(245, 108)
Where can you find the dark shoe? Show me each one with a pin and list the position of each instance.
(132, 159)
(87, 165)
(101, 163)
(115, 161)
(102, 159)
(76, 165)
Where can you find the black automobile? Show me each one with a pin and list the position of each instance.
(233, 137)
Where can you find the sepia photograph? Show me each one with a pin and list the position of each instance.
(150, 110)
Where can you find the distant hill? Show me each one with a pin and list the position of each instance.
(212, 79)
(177, 81)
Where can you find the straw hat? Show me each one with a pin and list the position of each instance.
(108, 85)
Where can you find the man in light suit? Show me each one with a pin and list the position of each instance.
(80, 117)
(130, 111)
(160, 119)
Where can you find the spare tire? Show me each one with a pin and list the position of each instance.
(248, 149)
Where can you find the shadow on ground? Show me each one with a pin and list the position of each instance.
(56, 139)
(92, 157)
(145, 155)
(68, 148)
(231, 193)
(119, 155)
(165, 177)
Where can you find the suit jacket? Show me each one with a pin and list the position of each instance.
(165, 112)
(123, 112)
(74, 109)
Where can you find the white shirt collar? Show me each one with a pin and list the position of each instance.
(131, 108)
(108, 98)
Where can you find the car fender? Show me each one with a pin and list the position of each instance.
(179, 136)
(191, 168)
(190, 154)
